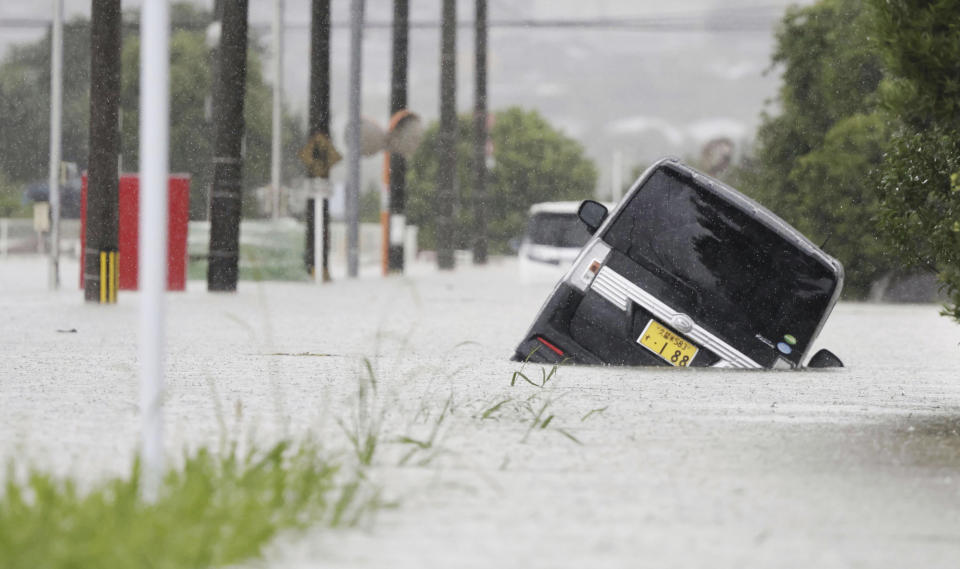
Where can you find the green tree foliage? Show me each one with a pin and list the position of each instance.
(11, 202)
(25, 104)
(918, 180)
(25, 107)
(836, 200)
(533, 162)
(813, 160)
(920, 43)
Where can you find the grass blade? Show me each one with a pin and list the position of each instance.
(593, 412)
(490, 411)
(567, 434)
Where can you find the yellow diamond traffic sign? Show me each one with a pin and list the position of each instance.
(319, 155)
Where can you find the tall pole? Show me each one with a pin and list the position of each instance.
(56, 130)
(275, 153)
(318, 204)
(448, 135)
(353, 139)
(226, 197)
(398, 164)
(480, 136)
(154, 168)
(100, 275)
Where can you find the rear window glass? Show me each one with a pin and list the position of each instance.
(733, 274)
(557, 230)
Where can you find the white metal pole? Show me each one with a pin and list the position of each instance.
(56, 121)
(353, 139)
(275, 178)
(154, 170)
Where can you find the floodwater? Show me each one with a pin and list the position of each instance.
(855, 467)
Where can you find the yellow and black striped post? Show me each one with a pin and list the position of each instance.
(103, 275)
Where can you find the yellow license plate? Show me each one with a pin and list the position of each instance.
(669, 346)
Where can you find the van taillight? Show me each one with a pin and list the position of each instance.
(555, 349)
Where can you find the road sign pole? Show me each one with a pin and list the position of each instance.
(321, 235)
(316, 156)
(310, 219)
(397, 165)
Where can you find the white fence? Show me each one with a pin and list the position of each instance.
(283, 240)
(17, 236)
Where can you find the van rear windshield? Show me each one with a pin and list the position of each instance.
(730, 272)
(557, 230)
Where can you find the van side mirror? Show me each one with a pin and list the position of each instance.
(592, 214)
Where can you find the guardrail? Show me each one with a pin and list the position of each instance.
(265, 245)
(274, 249)
(290, 234)
(17, 236)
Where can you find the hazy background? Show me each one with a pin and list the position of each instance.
(683, 73)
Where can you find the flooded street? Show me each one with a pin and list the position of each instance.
(719, 174)
(594, 467)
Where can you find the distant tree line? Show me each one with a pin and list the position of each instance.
(864, 152)
(25, 109)
(531, 162)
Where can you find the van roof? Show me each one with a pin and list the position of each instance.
(560, 207)
(555, 207)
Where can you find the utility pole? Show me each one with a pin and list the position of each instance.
(480, 136)
(398, 164)
(56, 147)
(318, 147)
(353, 139)
(226, 195)
(275, 154)
(100, 275)
(447, 171)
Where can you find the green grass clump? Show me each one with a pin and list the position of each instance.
(533, 409)
(215, 510)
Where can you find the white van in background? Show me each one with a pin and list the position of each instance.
(552, 241)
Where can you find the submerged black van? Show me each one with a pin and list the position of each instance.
(686, 271)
